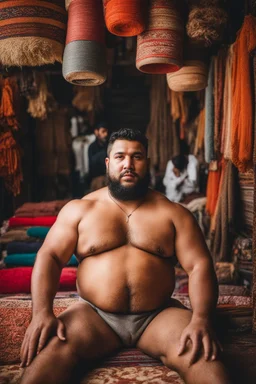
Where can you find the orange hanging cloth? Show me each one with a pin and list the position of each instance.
(126, 17)
(212, 191)
(10, 163)
(7, 113)
(242, 101)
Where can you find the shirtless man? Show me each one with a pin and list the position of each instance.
(125, 237)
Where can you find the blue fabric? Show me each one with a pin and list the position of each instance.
(23, 247)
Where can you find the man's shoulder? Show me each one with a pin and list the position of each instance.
(171, 207)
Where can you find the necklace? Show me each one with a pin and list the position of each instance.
(127, 215)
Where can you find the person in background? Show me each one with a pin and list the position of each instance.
(97, 154)
(181, 176)
(175, 176)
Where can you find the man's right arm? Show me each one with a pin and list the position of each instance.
(55, 253)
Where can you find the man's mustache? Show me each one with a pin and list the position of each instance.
(128, 172)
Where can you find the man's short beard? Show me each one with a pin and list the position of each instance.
(124, 193)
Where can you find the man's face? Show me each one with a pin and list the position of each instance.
(128, 170)
(101, 134)
(176, 172)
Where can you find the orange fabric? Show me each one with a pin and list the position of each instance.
(7, 114)
(126, 17)
(212, 191)
(10, 163)
(242, 102)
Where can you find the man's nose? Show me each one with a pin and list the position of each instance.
(128, 163)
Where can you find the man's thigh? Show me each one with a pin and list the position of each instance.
(87, 332)
(162, 336)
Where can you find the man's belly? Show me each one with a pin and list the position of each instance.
(126, 280)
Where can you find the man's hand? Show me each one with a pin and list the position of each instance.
(42, 327)
(199, 332)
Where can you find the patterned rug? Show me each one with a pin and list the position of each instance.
(10, 374)
(128, 366)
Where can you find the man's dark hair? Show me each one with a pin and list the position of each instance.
(180, 162)
(101, 124)
(128, 134)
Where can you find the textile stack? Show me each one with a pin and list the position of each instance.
(22, 237)
(247, 191)
(242, 252)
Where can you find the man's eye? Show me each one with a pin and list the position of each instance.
(138, 157)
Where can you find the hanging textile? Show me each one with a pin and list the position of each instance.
(227, 107)
(200, 132)
(32, 32)
(159, 47)
(212, 191)
(126, 17)
(8, 117)
(219, 72)
(227, 215)
(84, 61)
(242, 102)
(209, 116)
(161, 131)
(10, 163)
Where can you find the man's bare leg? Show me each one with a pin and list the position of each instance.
(88, 338)
(161, 340)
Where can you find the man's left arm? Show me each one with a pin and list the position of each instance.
(194, 257)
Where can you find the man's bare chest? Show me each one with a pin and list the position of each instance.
(145, 232)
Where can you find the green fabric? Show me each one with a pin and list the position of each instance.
(28, 259)
(40, 232)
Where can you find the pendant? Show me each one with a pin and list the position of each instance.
(128, 217)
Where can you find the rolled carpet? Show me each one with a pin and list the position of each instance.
(28, 259)
(43, 221)
(38, 232)
(23, 247)
(18, 280)
(160, 46)
(32, 32)
(84, 60)
(126, 17)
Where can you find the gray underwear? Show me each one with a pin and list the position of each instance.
(128, 327)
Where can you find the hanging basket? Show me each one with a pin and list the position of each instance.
(32, 32)
(191, 77)
(160, 46)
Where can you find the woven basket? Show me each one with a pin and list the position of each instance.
(159, 48)
(191, 77)
(32, 33)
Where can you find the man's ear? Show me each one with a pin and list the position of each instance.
(107, 162)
